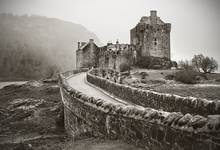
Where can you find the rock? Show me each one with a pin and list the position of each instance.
(34, 83)
(171, 117)
(185, 119)
(213, 122)
(197, 121)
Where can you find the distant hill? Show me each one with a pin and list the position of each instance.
(36, 46)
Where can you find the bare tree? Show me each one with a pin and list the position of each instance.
(197, 61)
(186, 65)
(206, 64)
(209, 65)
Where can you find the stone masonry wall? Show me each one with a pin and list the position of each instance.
(148, 98)
(145, 127)
(113, 59)
(152, 40)
(87, 57)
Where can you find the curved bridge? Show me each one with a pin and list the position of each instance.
(79, 82)
(89, 110)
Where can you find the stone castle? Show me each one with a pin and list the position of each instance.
(149, 38)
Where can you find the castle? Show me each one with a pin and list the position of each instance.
(149, 38)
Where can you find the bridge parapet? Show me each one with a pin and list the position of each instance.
(156, 100)
(145, 127)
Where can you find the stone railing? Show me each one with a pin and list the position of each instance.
(156, 100)
(145, 127)
(72, 72)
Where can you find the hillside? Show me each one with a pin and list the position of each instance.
(36, 46)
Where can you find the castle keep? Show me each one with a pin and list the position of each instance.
(150, 37)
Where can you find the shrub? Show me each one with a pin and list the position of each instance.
(169, 77)
(144, 81)
(186, 76)
(185, 65)
(143, 75)
(174, 64)
(217, 80)
(124, 67)
(156, 67)
(144, 62)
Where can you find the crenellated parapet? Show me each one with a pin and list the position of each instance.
(112, 55)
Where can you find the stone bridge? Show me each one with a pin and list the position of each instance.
(100, 107)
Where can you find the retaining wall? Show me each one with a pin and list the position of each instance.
(145, 127)
(148, 98)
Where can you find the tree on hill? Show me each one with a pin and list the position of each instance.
(206, 64)
(197, 61)
(185, 64)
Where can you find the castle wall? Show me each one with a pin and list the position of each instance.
(113, 59)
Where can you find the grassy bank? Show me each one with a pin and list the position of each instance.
(156, 80)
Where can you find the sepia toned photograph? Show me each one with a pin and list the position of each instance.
(109, 75)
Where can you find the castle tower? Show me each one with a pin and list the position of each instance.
(151, 37)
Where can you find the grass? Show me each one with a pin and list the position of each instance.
(157, 81)
(210, 93)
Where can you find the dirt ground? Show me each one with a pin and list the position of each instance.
(29, 117)
(30, 120)
(100, 144)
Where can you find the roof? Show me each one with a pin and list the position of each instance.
(147, 20)
(82, 47)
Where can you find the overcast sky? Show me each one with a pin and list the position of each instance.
(195, 23)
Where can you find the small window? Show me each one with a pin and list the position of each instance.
(155, 41)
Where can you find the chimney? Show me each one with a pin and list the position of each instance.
(153, 16)
(91, 40)
(78, 45)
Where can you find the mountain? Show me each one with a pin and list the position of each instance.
(36, 47)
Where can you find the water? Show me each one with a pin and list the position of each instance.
(2, 84)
